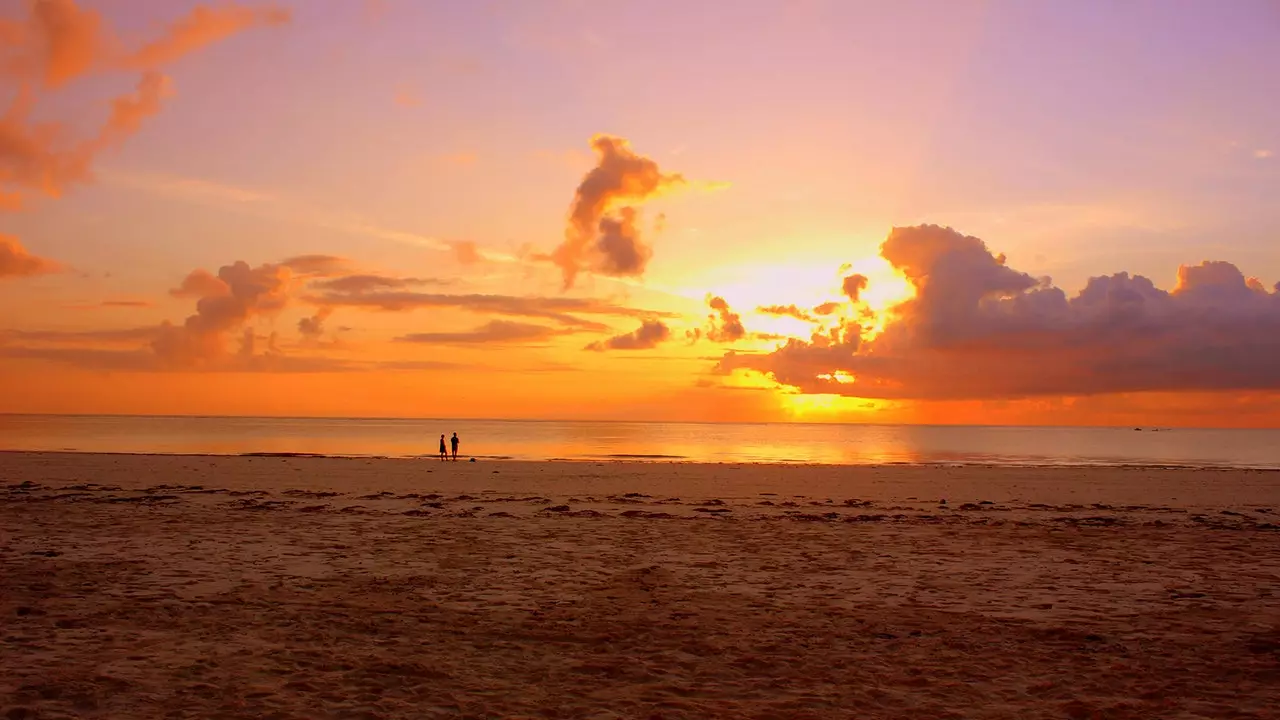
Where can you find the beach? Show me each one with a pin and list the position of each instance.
(190, 586)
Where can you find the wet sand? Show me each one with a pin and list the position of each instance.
(136, 586)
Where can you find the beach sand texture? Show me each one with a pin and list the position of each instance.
(267, 587)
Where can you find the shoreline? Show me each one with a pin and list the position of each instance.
(645, 460)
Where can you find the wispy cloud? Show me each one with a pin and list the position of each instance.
(261, 204)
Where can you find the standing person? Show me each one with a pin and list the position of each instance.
(454, 442)
(443, 454)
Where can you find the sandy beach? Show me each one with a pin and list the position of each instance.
(136, 586)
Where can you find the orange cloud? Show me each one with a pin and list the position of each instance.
(53, 45)
(224, 303)
(71, 39)
(466, 252)
(203, 26)
(978, 329)
(649, 335)
(602, 236)
(15, 261)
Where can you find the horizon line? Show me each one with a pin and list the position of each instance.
(201, 416)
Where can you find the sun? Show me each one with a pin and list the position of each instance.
(886, 288)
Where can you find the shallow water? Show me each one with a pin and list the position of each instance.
(700, 442)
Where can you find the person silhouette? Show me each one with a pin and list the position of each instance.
(454, 442)
(443, 454)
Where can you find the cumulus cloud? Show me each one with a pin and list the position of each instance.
(602, 235)
(978, 329)
(650, 334)
(827, 308)
(15, 261)
(725, 324)
(786, 311)
(224, 302)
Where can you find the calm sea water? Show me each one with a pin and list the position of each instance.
(537, 440)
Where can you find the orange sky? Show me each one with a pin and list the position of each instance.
(578, 210)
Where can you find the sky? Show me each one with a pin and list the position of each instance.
(955, 211)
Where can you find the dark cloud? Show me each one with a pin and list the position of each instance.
(317, 266)
(978, 329)
(853, 286)
(560, 310)
(602, 235)
(15, 261)
(725, 324)
(786, 311)
(312, 327)
(649, 335)
(497, 332)
(371, 283)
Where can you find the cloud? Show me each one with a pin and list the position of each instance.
(64, 41)
(370, 283)
(827, 308)
(560, 310)
(122, 303)
(317, 266)
(726, 325)
(224, 302)
(978, 329)
(122, 336)
(15, 261)
(786, 311)
(203, 26)
(312, 327)
(853, 285)
(466, 252)
(57, 42)
(94, 359)
(602, 236)
(649, 335)
(1262, 154)
(498, 332)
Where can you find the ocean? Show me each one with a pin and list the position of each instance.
(697, 442)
